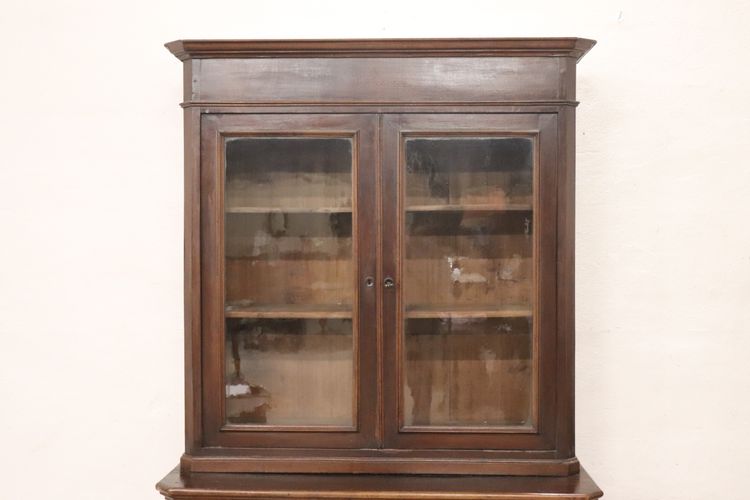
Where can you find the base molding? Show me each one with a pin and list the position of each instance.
(380, 461)
(228, 486)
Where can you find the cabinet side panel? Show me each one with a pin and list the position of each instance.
(567, 68)
(566, 285)
(192, 280)
(389, 80)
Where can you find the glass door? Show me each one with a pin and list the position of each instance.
(470, 255)
(289, 350)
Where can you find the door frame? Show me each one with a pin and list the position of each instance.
(363, 130)
(543, 128)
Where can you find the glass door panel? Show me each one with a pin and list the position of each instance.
(467, 281)
(289, 345)
(469, 204)
(289, 275)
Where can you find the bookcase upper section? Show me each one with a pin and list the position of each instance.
(381, 72)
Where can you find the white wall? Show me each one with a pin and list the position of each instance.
(90, 241)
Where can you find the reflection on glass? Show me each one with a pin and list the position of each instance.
(468, 371)
(468, 282)
(491, 172)
(288, 260)
(288, 281)
(288, 173)
(289, 371)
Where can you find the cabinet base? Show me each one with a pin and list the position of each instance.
(223, 486)
(382, 462)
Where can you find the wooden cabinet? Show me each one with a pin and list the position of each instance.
(379, 268)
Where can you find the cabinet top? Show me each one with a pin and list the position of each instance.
(384, 47)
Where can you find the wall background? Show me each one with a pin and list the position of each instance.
(91, 228)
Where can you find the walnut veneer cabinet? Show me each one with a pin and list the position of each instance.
(379, 241)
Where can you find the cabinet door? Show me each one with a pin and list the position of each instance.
(287, 207)
(469, 249)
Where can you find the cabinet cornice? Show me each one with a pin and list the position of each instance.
(386, 47)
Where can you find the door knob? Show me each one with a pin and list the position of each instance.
(388, 282)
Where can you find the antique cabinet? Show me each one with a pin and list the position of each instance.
(379, 241)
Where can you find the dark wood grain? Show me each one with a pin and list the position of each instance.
(566, 286)
(378, 80)
(192, 281)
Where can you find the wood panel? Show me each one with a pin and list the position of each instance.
(192, 281)
(565, 320)
(382, 80)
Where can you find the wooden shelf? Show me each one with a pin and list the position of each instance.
(468, 207)
(290, 311)
(471, 311)
(288, 210)
(440, 207)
